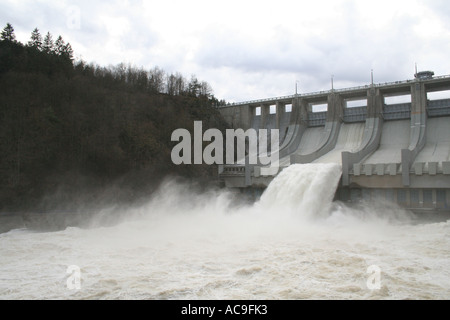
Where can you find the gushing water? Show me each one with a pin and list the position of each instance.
(295, 243)
(303, 189)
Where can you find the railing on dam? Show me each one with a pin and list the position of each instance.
(324, 92)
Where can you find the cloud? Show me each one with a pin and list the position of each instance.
(347, 44)
(346, 52)
(251, 49)
(439, 8)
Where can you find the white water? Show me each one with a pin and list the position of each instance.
(293, 244)
(305, 190)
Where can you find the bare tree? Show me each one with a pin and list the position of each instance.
(156, 80)
(171, 84)
(180, 84)
(205, 89)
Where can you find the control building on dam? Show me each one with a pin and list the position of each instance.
(398, 151)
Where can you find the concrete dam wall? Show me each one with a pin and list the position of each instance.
(398, 151)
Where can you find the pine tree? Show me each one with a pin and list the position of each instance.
(36, 40)
(48, 46)
(59, 46)
(8, 33)
(68, 51)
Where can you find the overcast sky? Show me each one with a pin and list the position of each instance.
(250, 49)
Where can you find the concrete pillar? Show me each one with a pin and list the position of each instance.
(237, 117)
(418, 115)
(335, 107)
(246, 117)
(303, 111)
(248, 172)
(295, 113)
(418, 98)
(417, 138)
(281, 110)
(265, 112)
(374, 103)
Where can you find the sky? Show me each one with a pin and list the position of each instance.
(248, 50)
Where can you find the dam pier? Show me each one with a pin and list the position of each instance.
(392, 140)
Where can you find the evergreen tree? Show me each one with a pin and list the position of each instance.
(36, 40)
(48, 45)
(68, 51)
(59, 46)
(8, 33)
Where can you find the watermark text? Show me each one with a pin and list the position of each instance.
(241, 147)
(74, 280)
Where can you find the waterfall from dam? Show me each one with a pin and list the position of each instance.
(295, 243)
(303, 189)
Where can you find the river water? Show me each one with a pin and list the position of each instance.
(295, 243)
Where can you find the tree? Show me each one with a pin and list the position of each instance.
(8, 33)
(48, 45)
(63, 49)
(194, 86)
(180, 84)
(171, 80)
(36, 40)
(205, 89)
(142, 79)
(68, 51)
(59, 46)
(156, 80)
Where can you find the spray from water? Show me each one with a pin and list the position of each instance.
(305, 190)
(301, 194)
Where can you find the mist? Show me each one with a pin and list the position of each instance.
(189, 241)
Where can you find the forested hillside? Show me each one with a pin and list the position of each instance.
(72, 131)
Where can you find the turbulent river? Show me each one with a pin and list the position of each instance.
(294, 243)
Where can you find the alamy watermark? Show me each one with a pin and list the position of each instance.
(74, 280)
(190, 150)
(374, 280)
(73, 15)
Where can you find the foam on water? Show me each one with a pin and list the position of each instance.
(184, 244)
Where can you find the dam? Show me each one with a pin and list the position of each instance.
(392, 140)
